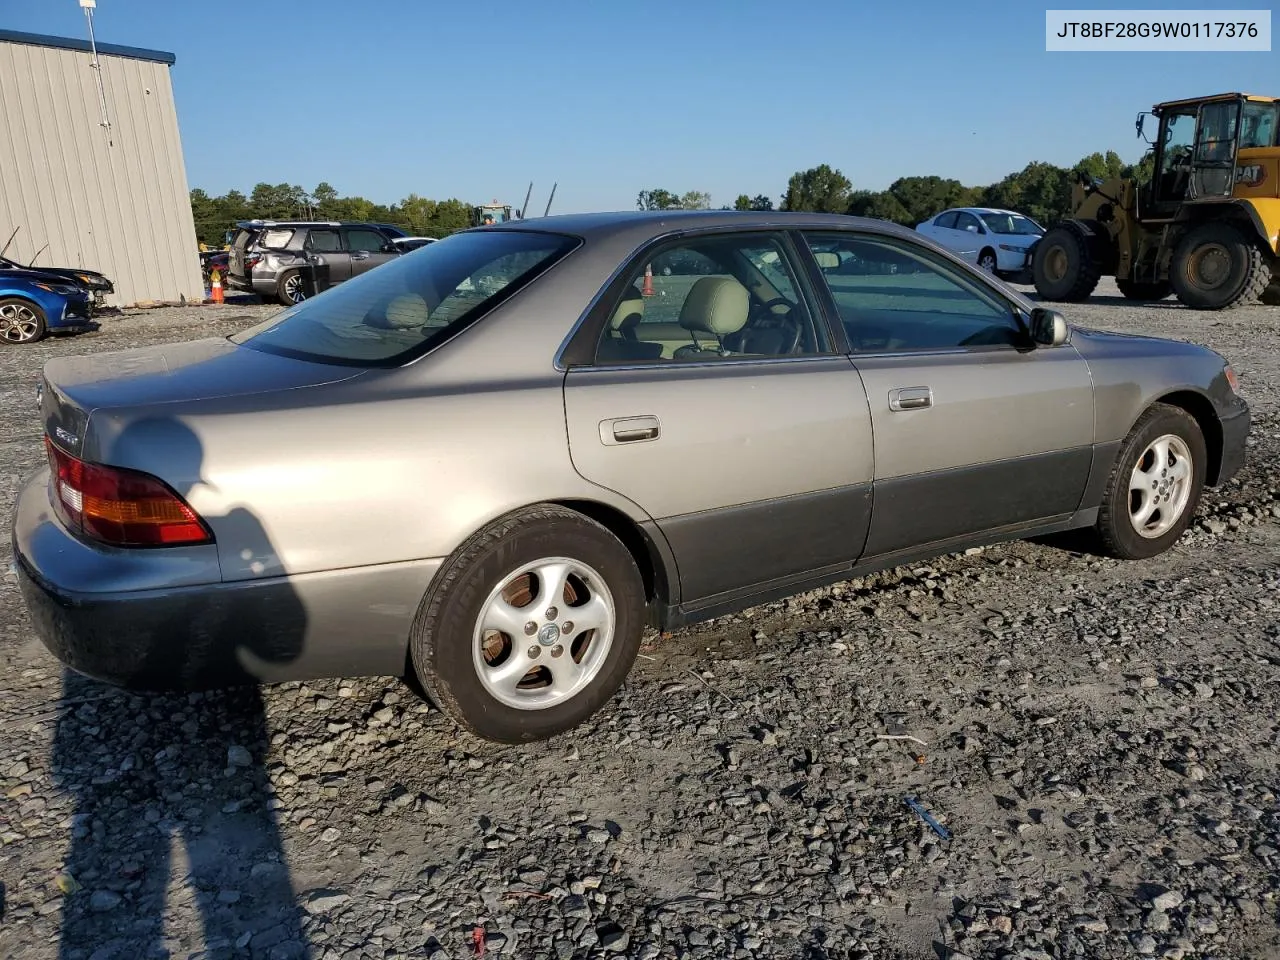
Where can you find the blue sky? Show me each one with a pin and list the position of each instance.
(475, 99)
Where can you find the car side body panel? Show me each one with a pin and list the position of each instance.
(335, 493)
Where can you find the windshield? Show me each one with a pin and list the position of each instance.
(402, 308)
(1011, 223)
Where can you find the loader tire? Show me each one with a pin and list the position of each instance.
(1064, 268)
(1217, 266)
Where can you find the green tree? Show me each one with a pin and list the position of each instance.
(695, 200)
(657, 200)
(820, 189)
(742, 203)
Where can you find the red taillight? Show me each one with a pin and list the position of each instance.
(250, 263)
(121, 507)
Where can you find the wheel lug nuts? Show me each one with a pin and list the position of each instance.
(557, 650)
(530, 628)
(568, 627)
(533, 652)
(551, 613)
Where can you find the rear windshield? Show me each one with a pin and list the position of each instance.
(403, 308)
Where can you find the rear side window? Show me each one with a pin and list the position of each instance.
(324, 241)
(275, 239)
(390, 315)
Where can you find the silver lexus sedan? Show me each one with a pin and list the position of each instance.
(491, 462)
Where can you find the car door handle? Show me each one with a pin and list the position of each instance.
(629, 430)
(910, 398)
(360, 256)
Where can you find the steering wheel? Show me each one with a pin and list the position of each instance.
(786, 318)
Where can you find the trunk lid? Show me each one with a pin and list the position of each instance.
(71, 389)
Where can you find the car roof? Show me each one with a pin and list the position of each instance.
(640, 224)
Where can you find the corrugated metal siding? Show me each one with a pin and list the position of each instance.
(114, 201)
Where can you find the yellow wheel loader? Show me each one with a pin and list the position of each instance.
(1206, 227)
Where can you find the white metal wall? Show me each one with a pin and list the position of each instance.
(114, 201)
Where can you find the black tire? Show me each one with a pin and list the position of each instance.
(284, 283)
(1063, 267)
(1247, 267)
(445, 628)
(1115, 527)
(1144, 291)
(21, 321)
(988, 255)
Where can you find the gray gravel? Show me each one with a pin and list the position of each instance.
(1100, 745)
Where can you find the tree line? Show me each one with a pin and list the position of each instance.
(416, 215)
(1042, 191)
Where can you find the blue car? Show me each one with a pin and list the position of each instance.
(33, 304)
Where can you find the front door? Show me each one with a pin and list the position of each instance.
(749, 444)
(974, 431)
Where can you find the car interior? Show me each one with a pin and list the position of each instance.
(713, 299)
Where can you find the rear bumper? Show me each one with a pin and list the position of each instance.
(133, 618)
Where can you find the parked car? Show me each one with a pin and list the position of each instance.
(98, 284)
(33, 304)
(492, 462)
(405, 244)
(995, 240)
(266, 255)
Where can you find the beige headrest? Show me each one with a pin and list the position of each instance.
(715, 305)
(629, 311)
(407, 310)
(826, 259)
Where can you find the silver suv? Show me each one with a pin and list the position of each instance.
(266, 255)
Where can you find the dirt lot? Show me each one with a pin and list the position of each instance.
(1100, 741)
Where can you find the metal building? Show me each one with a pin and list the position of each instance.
(91, 168)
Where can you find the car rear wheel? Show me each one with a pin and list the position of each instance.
(289, 288)
(531, 626)
(21, 321)
(1155, 484)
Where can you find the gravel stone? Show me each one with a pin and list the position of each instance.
(737, 799)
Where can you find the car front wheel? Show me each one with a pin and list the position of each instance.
(531, 627)
(1155, 484)
(21, 321)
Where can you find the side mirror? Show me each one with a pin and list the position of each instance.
(1049, 327)
(971, 228)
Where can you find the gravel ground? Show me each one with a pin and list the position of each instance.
(1100, 746)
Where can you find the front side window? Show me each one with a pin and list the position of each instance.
(718, 297)
(390, 315)
(895, 296)
(967, 221)
(1012, 223)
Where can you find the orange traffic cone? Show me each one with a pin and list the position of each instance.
(216, 286)
(648, 281)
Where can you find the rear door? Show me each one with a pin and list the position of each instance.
(974, 431)
(753, 456)
(325, 245)
(364, 244)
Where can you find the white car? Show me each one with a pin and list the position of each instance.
(995, 240)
